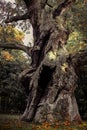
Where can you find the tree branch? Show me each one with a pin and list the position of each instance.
(62, 8)
(16, 46)
(17, 18)
(25, 16)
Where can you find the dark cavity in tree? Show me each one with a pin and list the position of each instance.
(45, 77)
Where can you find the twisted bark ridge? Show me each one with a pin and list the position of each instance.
(52, 85)
(51, 80)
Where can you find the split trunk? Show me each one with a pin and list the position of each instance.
(52, 80)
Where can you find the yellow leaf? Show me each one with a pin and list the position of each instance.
(7, 56)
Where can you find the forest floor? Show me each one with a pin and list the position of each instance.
(12, 122)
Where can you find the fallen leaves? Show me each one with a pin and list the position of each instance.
(16, 124)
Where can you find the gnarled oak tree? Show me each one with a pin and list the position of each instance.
(51, 79)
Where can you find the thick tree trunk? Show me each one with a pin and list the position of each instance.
(53, 81)
(51, 95)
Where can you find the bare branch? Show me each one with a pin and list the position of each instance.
(17, 18)
(62, 8)
(16, 46)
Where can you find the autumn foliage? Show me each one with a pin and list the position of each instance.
(15, 124)
(10, 34)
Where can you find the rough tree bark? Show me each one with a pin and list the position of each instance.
(51, 80)
(52, 84)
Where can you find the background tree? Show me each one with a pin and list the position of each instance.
(12, 93)
(52, 76)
